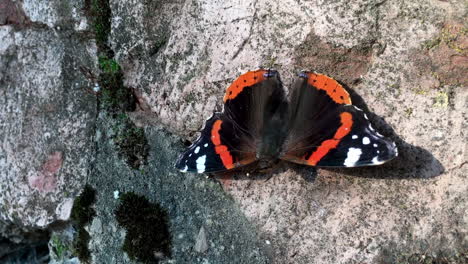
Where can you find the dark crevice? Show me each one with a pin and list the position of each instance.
(113, 97)
(32, 248)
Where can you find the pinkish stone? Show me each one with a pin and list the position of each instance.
(46, 180)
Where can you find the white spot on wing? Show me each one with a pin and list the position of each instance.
(185, 169)
(197, 149)
(352, 157)
(357, 108)
(365, 116)
(354, 136)
(371, 128)
(201, 164)
(375, 145)
(206, 145)
(365, 141)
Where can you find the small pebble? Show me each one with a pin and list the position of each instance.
(96, 88)
(201, 244)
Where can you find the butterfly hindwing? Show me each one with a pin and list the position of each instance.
(217, 148)
(362, 146)
(326, 130)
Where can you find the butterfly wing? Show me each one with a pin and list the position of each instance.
(218, 148)
(327, 130)
(230, 139)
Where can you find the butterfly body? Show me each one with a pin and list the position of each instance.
(317, 126)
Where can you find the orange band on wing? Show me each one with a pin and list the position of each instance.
(245, 80)
(336, 92)
(327, 145)
(220, 149)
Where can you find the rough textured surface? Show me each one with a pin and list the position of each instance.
(190, 201)
(47, 117)
(405, 62)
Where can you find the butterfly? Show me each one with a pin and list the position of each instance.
(317, 126)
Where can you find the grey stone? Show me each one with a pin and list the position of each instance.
(201, 244)
(382, 50)
(46, 125)
(96, 226)
(57, 14)
(404, 60)
(179, 195)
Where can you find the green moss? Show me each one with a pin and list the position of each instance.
(108, 65)
(114, 97)
(80, 247)
(58, 247)
(148, 238)
(82, 214)
(130, 140)
(101, 19)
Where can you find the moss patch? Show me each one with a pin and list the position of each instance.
(58, 246)
(82, 214)
(131, 141)
(114, 97)
(147, 238)
(100, 14)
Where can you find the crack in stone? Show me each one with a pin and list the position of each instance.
(254, 18)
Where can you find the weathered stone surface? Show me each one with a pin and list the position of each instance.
(56, 13)
(404, 61)
(189, 200)
(11, 13)
(181, 60)
(46, 125)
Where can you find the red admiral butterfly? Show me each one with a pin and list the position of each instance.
(318, 127)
